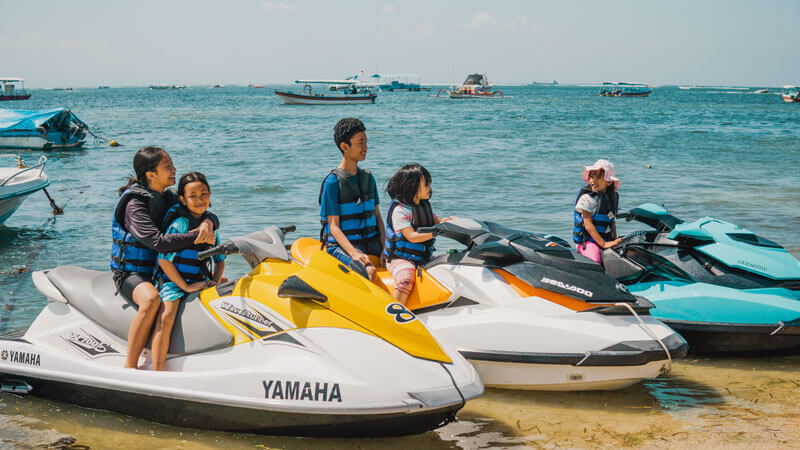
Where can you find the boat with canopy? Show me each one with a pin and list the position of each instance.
(46, 129)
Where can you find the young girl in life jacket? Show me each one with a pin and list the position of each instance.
(405, 248)
(595, 210)
(182, 272)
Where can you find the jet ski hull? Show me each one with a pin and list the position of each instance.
(719, 320)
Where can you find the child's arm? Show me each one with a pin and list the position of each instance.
(589, 225)
(414, 236)
(219, 269)
(341, 238)
(172, 273)
(381, 229)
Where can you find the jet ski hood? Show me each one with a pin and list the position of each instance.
(728, 243)
(539, 261)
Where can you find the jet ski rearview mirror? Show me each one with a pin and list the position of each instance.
(255, 247)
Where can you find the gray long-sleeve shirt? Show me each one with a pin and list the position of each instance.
(140, 224)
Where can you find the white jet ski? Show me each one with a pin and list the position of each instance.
(531, 314)
(286, 349)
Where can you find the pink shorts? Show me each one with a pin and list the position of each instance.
(591, 251)
(403, 273)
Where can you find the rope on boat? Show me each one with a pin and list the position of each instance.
(650, 333)
(778, 330)
(97, 139)
(57, 210)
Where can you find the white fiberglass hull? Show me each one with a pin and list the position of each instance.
(532, 343)
(304, 381)
(35, 143)
(289, 98)
(14, 189)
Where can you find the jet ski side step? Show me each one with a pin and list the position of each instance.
(715, 338)
(229, 417)
(631, 353)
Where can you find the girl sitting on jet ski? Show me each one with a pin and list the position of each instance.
(410, 190)
(596, 206)
(180, 273)
(137, 237)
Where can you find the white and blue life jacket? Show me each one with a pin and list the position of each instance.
(357, 201)
(602, 219)
(127, 253)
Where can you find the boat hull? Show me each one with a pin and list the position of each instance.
(12, 195)
(739, 339)
(288, 98)
(14, 97)
(37, 142)
(790, 99)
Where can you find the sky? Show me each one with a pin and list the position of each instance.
(86, 43)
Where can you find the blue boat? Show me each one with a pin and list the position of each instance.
(623, 89)
(46, 129)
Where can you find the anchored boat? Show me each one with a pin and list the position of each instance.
(47, 129)
(311, 349)
(352, 93)
(18, 182)
(9, 91)
(476, 85)
(623, 89)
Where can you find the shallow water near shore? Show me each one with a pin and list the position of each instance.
(517, 161)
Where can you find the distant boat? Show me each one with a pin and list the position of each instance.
(47, 129)
(352, 94)
(102, 87)
(9, 91)
(218, 86)
(624, 89)
(158, 87)
(18, 182)
(761, 91)
(476, 85)
(791, 98)
(257, 86)
(396, 82)
(537, 83)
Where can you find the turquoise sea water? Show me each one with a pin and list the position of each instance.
(728, 154)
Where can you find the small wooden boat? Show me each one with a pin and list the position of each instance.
(622, 89)
(18, 182)
(475, 86)
(791, 98)
(47, 129)
(352, 94)
(9, 91)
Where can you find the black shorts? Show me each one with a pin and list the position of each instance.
(126, 282)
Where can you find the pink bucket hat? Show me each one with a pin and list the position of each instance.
(608, 169)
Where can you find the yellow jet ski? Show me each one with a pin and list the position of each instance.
(307, 348)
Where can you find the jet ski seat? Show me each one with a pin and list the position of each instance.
(93, 293)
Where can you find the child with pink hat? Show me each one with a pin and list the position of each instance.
(596, 206)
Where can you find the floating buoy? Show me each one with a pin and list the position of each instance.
(649, 166)
(113, 143)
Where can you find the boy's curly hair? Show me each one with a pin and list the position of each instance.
(345, 129)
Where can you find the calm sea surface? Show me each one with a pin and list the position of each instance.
(729, 154)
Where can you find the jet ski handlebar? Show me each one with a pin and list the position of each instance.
(226, 248)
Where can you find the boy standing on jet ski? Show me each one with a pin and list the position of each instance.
(596, 206)
(352, 227)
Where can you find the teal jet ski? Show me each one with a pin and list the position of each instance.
(722, 287)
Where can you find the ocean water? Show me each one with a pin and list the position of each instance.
(728, 154)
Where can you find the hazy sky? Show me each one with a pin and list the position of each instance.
(89, 43)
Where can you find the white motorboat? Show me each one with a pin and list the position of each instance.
(530, 314)
(18, 182)
(352, 93)
(286, 349)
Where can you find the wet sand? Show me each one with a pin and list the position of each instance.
(708, 402)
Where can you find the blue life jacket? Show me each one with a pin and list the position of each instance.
(357, 196)
(397, 246)
(127, 253)
(603, 219)
(186, 262)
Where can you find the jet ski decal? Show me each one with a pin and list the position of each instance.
(291, 390)
(248, 319)
(88, 344)
(401, 313)
(31, 359)
(568, 287)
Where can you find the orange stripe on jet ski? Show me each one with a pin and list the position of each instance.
(526, 290)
